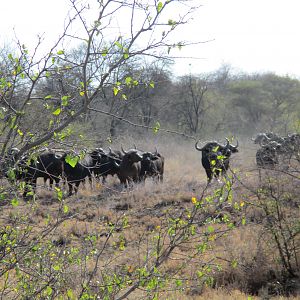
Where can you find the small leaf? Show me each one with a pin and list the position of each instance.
(56, 268)
(72, 160)
(60, 52)
(159, 7)
(14, 202)
(124, 97)
(234, 263)
(49, 291)
(57, 112)
(116, 90)
(210, 229)
(59, 193)
(118, 45)
(66, 209)
(65, 100)
(128, 80)
(156, 127)
(151, 84)
(243, 221)
(81, 93)
(48, 97)
(20, 132)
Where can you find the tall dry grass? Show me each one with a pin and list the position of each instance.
(146, 207)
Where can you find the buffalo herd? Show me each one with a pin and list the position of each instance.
(133, 165)
(275, 148)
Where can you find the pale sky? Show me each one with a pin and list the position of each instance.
(250, 35)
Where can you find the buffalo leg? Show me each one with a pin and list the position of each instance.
(70, 188)
(209, 175)
(76, 186)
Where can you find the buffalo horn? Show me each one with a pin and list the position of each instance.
(197, 147)
(227, 144)
(123, 150)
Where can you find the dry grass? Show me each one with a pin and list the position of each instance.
(146, 207)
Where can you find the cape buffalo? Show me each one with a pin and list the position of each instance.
(46, 165)
(76, 171)
(215, 158)
(130, 167)
(106, 163)
(152, 165)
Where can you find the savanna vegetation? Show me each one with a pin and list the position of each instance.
(180, 239)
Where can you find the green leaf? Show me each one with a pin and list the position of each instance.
(48, 97)
(243, 221)
(151, 84)
(11, 174)
(210, 229)
(178, 282)
(66, 209)
(20, 132)
(56, 268)
(234, 263)
(128, 80)
(59, 193)
(72, 160)
(159, 7)
(57, 112)
(116, 90)
(60, 52)
(104, 52)
(49, 291)
(156, 127)
(65, 100)
(118, 45)
(15, 202)
(124, 97)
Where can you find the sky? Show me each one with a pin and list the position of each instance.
(252, 36)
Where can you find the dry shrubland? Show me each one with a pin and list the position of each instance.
(242, 256)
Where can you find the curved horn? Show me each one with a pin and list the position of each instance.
(134, 145)
(125, 152)
(227, 144)
(110, 151)
(156, 152)
(231, 146)
(197, 147)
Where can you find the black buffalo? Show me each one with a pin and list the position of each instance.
(46, 165)
(130, 167)
(267, 155)
(106, 163)
(152, 165)
(76, 170)
(215, 158)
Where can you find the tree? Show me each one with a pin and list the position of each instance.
(193, 103)
(147, 33)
